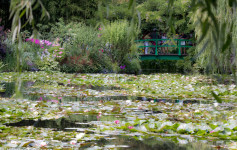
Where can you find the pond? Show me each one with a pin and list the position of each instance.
(110, 111)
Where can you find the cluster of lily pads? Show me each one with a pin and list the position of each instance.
(173, 86)
(85, 123)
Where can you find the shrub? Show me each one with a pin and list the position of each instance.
(85, 50)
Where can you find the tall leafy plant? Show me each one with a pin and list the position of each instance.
(119, 41)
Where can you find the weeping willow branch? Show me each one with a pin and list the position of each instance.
(217, 24)
(18, 10)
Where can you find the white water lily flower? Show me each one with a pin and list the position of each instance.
(128, 102)
(42, 144)
(7, 115)
(215, 104)
(14, 142)
(35, 113)
(80, 136)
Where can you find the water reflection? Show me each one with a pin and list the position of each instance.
(73, 121)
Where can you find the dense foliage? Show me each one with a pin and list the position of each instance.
(171, 17)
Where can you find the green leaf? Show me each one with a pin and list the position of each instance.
(130, 4)
(22, 13)
(218, 99)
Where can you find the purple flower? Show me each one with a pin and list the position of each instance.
(122, 67)
(60, 52)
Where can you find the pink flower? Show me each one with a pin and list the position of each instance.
(42, 47)
(100, 28)
(60, 52)
(41, 98)
(37, 41)
(68, 81)
(212, 131)
(130, 127)
(59, 97)
(54, 101)
(61, 48)
(55, 50)
(54, 55)
(98, 117)
(116, 121)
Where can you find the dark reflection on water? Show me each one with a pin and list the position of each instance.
(93, 87)
(9, 89)
(26, 85)
(72, 121)
(149, 143)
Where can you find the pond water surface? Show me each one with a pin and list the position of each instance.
(116, 121)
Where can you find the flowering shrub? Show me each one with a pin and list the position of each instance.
(49, 54)
(58, 52)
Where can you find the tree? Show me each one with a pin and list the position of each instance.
(215, 29)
